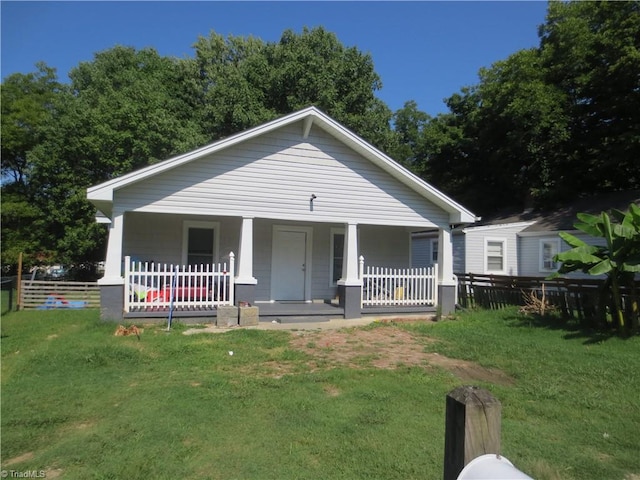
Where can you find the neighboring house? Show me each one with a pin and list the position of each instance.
(520, 244)
(297, 200)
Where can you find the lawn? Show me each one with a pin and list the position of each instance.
(81, 403)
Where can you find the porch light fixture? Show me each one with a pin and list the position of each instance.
(313, 197)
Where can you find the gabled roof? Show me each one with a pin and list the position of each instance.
(102, 195)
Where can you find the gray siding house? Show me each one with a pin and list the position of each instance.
(521, 244)
(294, 206)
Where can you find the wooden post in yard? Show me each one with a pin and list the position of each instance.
(19, 286)
(472, 428)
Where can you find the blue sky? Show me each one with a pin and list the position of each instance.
(423, 51)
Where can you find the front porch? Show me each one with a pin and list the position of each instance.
(326, 275)
(195, 292)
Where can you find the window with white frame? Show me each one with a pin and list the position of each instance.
(434, 251)
(199, 243)
(337, 255)
(495, 255)
(549, 247)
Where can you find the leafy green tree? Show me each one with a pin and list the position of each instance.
(618, 259)
(547, 124)
(124, 110)
(315, 68)
(26, 106)
(591, 51)
(522, 126)
(409, 124)
(21, 225)
(245, 82)
(231, 74)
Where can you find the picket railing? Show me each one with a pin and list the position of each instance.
(398, 286)
(151, 285)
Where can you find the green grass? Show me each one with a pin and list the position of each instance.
(89, 405)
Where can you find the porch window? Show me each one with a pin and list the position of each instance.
(549, 247)
(337, 255)
(199, 243)
(495, 250)
(434, 251)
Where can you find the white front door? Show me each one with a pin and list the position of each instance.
(289, 269)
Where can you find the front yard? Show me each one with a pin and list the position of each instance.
(79, 402)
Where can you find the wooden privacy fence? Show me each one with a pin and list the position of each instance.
(49, 295)
(579, 298)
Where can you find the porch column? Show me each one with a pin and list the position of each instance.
(349, 286)
(112, 284)
(446, 282)
(245, 282)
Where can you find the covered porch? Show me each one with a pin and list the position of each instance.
(333, 277)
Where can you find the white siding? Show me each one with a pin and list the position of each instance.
(158, 238)
(475, 246)
(274, 176)
(530, 253)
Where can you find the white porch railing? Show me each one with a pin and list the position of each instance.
(151, 285)
(398, 286)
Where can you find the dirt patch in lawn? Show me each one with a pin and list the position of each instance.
(387, 347)
(19, 459)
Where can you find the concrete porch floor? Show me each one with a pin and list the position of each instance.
(283, 312)
(288, 312)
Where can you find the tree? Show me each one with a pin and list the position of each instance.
(315, 68)
(245, 82)
(546, 124)
(409, 124)
(232, 76)
(522, 126)
(26, 107)
(618, 259)
(124, 110)
(591, 51)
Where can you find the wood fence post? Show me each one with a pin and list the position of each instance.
(19, 286)
(472, 428)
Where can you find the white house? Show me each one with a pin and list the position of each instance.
(519, 244)
(294, 204)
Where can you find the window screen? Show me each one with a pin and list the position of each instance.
(200, 246)
(338, 256)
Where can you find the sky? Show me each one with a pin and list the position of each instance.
(422, 50)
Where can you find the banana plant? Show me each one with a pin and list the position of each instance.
(618, 259)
